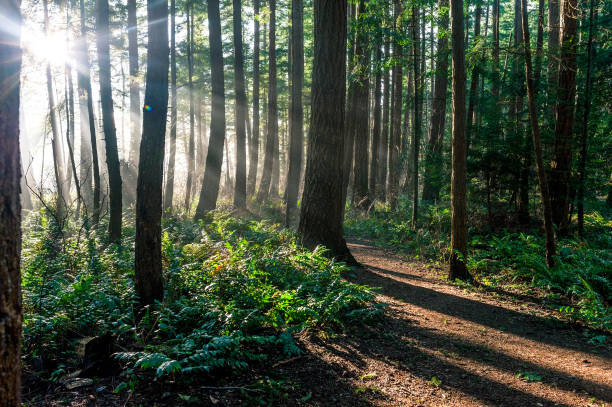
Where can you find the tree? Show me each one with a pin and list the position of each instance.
(241, 109)
(553, 51)
(396, 112)
(254, 144)
(214, 158)
(376, 129)
(535, 132)
(108, 120)
(135, 106)
(10, 208)
(384, 137)
(272, 123)
(432, 180)
(169, 194)
(458, 258)
(321, 212)
(561, 164)
(418, 97)
(296, 111)
(147, 261)
(191, 148)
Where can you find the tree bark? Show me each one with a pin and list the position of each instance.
(191, 148)
(553, 52)
(433, 179)
(147, 265)
(169, 194)
(272, 121)
(214, 157)
(321, 213)
(473, 95)
(396, 113)
(384, 137)
(254, 145)
(376, 129)
(296, 119)
(108, 119)
(135, 107)
(418, 98)
(535, 132)
(10, 209)
(241, 109)
(458, 257)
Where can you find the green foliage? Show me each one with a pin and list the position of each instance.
(236, 290)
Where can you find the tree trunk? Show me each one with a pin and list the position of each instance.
(296, 119)
(473, 95)
(214, 157)
(458, 258)
(561, 164)
(376, 132)
(135, 107)
(553, 52)
(108, 119)
(321, 213)
(349, 123)
(361, 113)
(418, 98)
(191, 148)
(384, 137)
(272, 121)
(10, 209)
(254, 146)
(396, 114)
(585, 124)
(535, 132)
(70, 136)
(241, 109)
(169, 195)
(148, 265)
(539, 45)
(433, 168)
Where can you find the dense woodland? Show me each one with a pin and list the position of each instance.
(305, 202)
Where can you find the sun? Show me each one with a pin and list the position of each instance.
(46, 48)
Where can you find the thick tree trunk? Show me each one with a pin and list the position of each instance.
(433, 179)
(214, 157)
(241, 109)
(254, 145)
(321, 213)
(418, 98)
(272, 120)
(108, 119)
(384, 136)
(458, 257)
(135, 107)
(376, 128)
(296, 118)
(147, 265)
(10, 209)
(169, 193)
(535, 132)
(396, 113)
(561, 164)
(191, 148)
(361, 111)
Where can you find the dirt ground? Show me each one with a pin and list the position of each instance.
(437, 345)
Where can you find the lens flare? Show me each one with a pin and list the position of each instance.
(148, 108)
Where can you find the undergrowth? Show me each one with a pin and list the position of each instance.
(236, 292)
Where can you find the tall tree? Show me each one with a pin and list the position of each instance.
(241, 110)
(376, 127)
(10, 208)
(396, 113)
(458, 258)
(473, 95)
(554, 39)
(108, 120)
(535, 132)
(169, 194)
(296, 119)
(384, 136)
(135, 107)
(432, 179)
(214, 157)
(564, 123)
(147, 260)
(272, 122)
(191, 147)
(321, 212)
(254, 145)
(418, 98)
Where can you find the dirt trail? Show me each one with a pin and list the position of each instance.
(440, 345)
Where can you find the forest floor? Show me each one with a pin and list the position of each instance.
(438, 344)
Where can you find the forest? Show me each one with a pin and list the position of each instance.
(305, 203)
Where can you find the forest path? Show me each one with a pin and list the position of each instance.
(442, 345)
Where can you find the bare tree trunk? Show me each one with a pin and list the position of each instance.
(70, 135)
(214, 157)
(349, 121)
(418, 98)
(296, 118)
(553, 52)
(384, 137)
(458, 257)
(135, 107)
(396, 114)
(473, 95)
(376, 136)
(254, 145)
(321, 213)
(535, 132)
(191, 148)
(241, 109)
(169, 195)
(10, 209)
(147, 261)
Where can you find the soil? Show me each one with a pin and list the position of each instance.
(438, 344)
